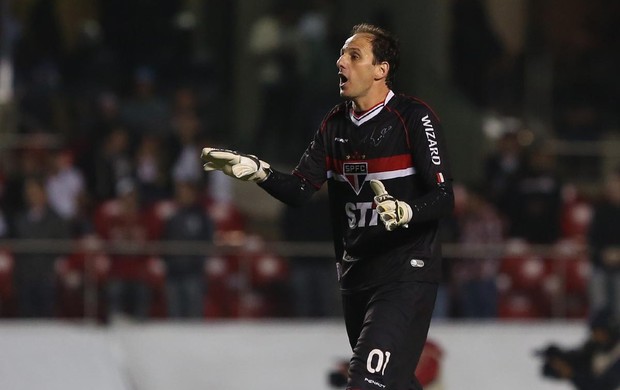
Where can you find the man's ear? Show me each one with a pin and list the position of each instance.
(381, 70)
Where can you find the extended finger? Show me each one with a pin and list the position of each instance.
(378, 188)
(222, 156)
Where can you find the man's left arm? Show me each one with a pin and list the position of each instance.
(430, 159)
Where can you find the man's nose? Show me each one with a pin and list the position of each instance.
(339, 62)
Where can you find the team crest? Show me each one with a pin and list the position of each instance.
(355, 174)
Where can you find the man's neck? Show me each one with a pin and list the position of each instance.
(370, 100)
(358, 118)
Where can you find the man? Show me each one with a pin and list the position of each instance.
(184, 277)
(34, 272)
(595, 365)
(382, 147)
(604, 242)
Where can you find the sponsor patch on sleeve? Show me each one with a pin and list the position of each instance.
(440, 178)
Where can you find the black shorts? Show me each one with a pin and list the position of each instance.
(387, 328)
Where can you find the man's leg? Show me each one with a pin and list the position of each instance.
(392, 336)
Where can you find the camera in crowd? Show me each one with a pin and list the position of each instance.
(594, 365)
(555, 358)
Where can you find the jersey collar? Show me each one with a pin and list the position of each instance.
(360, 119)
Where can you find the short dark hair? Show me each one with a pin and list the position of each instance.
(384, 47)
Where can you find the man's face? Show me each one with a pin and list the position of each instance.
(355, 66)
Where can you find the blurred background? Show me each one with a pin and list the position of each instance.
(108, 223)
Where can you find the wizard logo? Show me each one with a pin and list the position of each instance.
(355, 174)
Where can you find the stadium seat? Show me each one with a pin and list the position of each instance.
(428, 371)
(514, 306)
(577, 275)
(250, 283)
(158, 213)
(571, 267)
(79, 275)
(267, 269)
(267, 275)
(521, 282)
(156, 278)
(104, 213)
(250, 304)
(522, 273)
(224, 284)
(270, 280)
(570, 272)
(575, 220)
(227, 218)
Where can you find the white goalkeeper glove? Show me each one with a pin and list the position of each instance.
(238, 165)
(393, 213)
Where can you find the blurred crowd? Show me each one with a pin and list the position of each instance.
(102, 138)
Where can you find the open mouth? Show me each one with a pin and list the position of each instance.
(343, 79)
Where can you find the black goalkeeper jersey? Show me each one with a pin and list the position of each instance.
(401, 144)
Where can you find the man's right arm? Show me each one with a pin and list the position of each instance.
(288, 188)
(291, 189)
(294, 189)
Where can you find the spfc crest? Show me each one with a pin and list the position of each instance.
(355, 174)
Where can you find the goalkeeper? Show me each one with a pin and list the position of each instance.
(384, 160)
